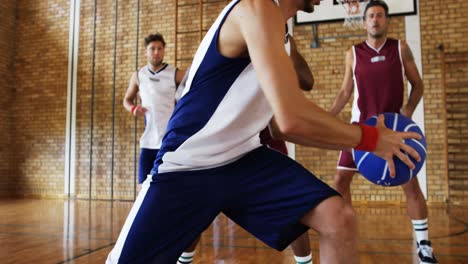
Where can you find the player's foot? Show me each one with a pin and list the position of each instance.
(425, 253)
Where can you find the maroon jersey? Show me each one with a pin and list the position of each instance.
(267, 139)
(378, 80)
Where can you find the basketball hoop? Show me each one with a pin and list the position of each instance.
(354, 12)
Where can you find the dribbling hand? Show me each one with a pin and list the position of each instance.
(391, 143)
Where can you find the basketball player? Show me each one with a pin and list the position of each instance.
(375, 69)
(157, 84)
(300, 246)
(240, 78)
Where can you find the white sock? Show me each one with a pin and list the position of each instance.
(420, 229)
(304, 260)
(186, 258)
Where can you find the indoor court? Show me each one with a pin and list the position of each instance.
(69, 150)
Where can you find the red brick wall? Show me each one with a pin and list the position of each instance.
(41, 65)
(41, 81)
(7, 81)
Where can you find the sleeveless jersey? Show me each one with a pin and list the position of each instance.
(378, 80)
(157, 92)
(220, 114)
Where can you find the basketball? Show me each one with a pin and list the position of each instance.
(375, 169)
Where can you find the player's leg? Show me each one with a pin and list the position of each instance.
(277, 200)
(335, 222)
(146, 163)
(189, 253)
(301, 249)
(416, 204)
(344, 175)
(157, 229)
(417, 211)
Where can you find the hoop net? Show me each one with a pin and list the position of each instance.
(354, 12)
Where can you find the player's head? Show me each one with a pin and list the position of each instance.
(155, 45)
(307, 5)
(376, 18)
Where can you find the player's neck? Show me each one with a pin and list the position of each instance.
(155, 68)
(288, 11)
(376, 43)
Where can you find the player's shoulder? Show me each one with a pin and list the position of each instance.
(135, 74)
(257, 4)
(350, 54)
(140, 70)
(403, 44)
(253, 9)
(170, 67)
(359, 44)
(358, 47)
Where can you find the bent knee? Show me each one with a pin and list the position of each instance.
(342, 222)
(347, 218)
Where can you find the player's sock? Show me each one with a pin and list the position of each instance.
(186, 258)
(420, 229)
(304, 260)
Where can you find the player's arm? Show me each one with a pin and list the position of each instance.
(346, 87)
(417, 86)
(276, 73)
(259, 23)
(306, 79)
(130, 96)
(181, 85)
(179, 76)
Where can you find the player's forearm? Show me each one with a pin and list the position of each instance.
(299, 120)
(304, 75)
(306, 79)
(317, 128)
(415, 96)
(128, 104)
(339, 103)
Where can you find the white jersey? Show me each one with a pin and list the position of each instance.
(221, 112)
(158, 96)
(287, 42)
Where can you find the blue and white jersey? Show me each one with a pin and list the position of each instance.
(220, 114)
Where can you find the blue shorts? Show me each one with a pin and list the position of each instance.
(146, 163)
(265, 192)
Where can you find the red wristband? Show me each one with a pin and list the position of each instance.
(133, 109)
(369, 138)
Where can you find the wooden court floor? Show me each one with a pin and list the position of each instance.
(79, 231)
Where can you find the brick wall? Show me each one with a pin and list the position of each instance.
(439, 25)
(41, 102)
(7, 49)
(41, 64)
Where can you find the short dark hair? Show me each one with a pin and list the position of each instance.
(373, 3)
(154, 37)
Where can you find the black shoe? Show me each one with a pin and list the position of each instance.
(425, 253)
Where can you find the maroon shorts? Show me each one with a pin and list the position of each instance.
(346, 162)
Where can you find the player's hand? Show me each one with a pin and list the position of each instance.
(139, 111)
(391, 143)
